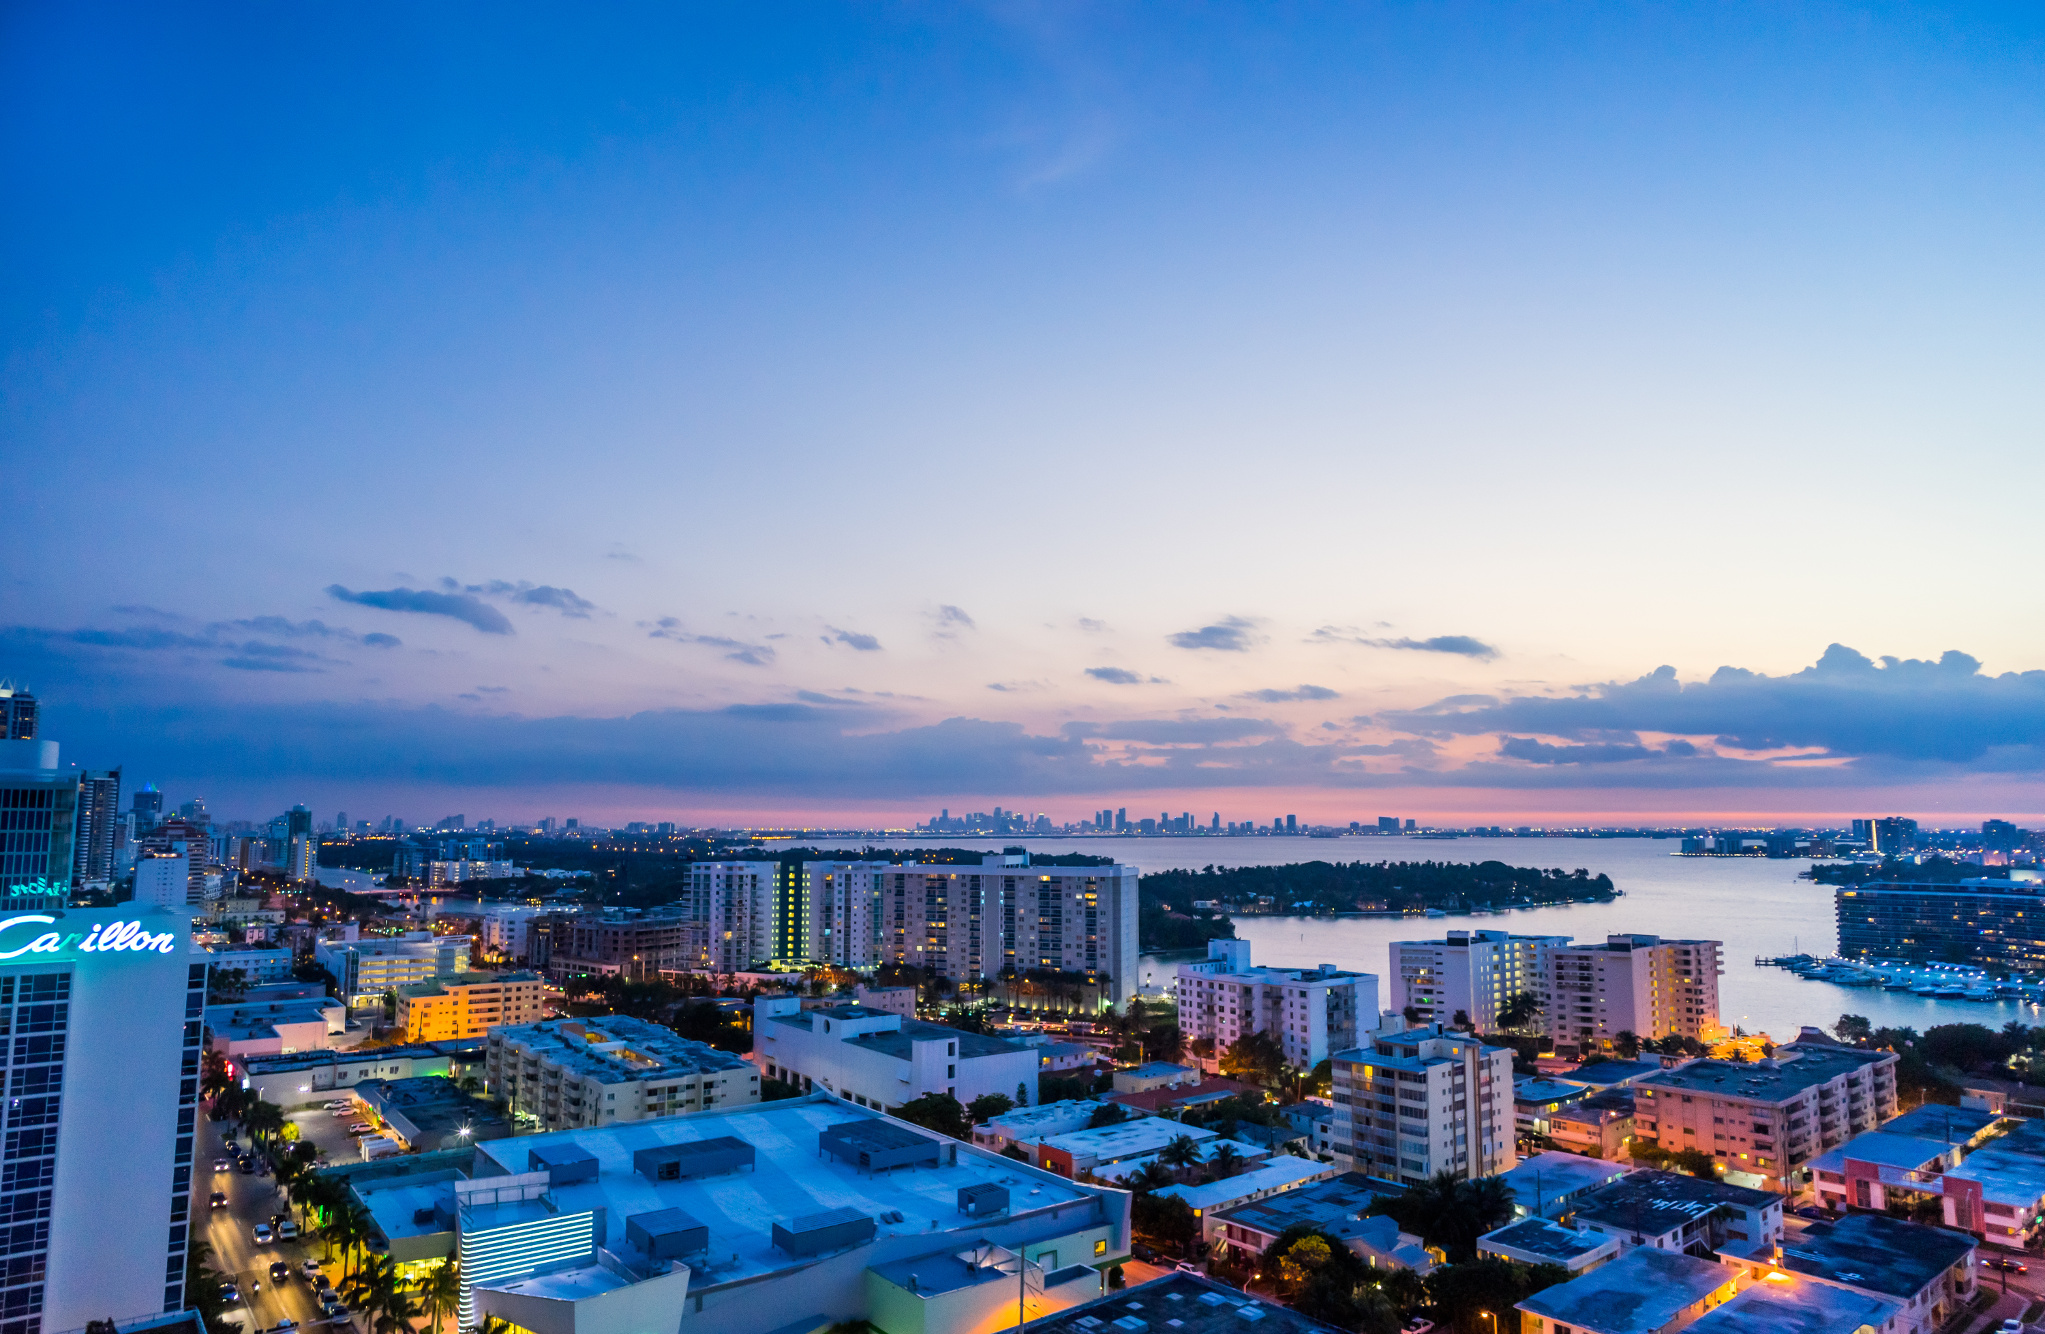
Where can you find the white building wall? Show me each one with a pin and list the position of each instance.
(825, 1056)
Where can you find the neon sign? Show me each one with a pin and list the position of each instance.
(40, 887)
(105, 938)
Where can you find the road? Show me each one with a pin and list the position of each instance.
(230, 1230)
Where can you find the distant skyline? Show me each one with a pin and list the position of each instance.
(1471, 413)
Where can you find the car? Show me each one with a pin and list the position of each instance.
(287, 1231)
(223, 1164)
(1417, 1325)
(311, 1270)
(1141, 1252)
(230, 1294)
(280, 1271)
(326, 1296)
(278, 1220)
(1185, 1267)
(264, 1234)
(2007, 1265)
(284, 1326)
(333, 1307)
(340, 1105)
(248, 1167)
(2011, 1326)
(340, 1111)
(219, 1199)
(362, 1128)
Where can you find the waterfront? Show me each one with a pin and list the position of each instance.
(1757, 906)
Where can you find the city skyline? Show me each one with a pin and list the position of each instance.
(1563, 419)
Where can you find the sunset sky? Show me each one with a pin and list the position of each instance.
(824, 413)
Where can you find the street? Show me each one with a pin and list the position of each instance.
(230, 1231)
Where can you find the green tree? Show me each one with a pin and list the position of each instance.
(1464, 1294)
(1519, 1011)
(1181, 1151)
(1151, 1176)
(937, 1111)
(1225, 1161)
(1165, 1221)
(1254, 1058)
(1303, 1260)
(988, 1106)
(1449, 1212)
(1853, 1028)
(1627, 1043)
(440, 1291)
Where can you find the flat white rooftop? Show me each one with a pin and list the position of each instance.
(790, 1179)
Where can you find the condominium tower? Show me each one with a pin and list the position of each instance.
(1311, 1013)
(1644, 985)
(1420, 1101)
(1474, 973)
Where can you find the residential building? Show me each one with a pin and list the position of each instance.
(1539, 1241)
(1033, 1125)
(1471, 973)
(430, 1112)
(1986, 1174)
(1787, 1304)
(366, 969)
(38, 821)
(1197, 1305)
(843, 908)
(1135, 1141)
(882, 1060)
(895, 1000)
(1765, 1120)
(303, 1079)
(468, 1005)
(733, 903)
(1421, 1101)
(1173, 1098)
(597, 1072)
(109, 1012)
(506, 928)
(257, 964)
(1644, 1291)
(768, 1208)
(1339, 1207)
(1992, 923)
(1274, 1176)
(1154, 1075)
(1597, 1127)
(163, 878)
(1894, 836)
(1927, 1272)
(1549, 1185)
(1670, 1211)
(96, 842)
(301, 858)
(1536, 1099)
(17, 713)
(1636, 984)
(1311, 1014)
(624, 945)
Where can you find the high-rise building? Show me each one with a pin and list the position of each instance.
(38, 823)
(106, 1009)
(95, 844)
(365, 969)
(1895, 835)
(1864, 832)
(1990, 922)
(1474, 973)
(302, 861)
(1414, 1102)
(1643, 985)
(1311, 1013)
(1292, 824)
(1388, 824)
(174, 838)
(298, 822)
(17, 713)
(733, 904)
(163, 877)
(148, 808)
(844, 906)
(2000, 836)
(340, 822)
(194, 812)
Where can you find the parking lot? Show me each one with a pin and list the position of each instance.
(254, 1199)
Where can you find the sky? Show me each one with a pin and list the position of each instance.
(834, 413)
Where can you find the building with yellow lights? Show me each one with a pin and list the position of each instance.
(468, 1005)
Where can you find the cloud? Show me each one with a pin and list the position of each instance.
(282, 627)
(1120, 676)
(951, 620)
(1176, 731)
(1465, 646)
(1092, 626)
(527, 594)
(813, 697)
(461, 607)
(864, 643)
(1296, 693)
(1540, 752)
(1231, 634)
(1845, 706)
(735, 650)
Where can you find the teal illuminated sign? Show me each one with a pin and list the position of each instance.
(106, 938)
(37, 888)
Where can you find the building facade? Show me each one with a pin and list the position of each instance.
(367, 969)
(1473, 973)
(38, 821)
(97, 841)
(1420, 1101)
(1989, 922)
(638, 947)
(882, 1060)
(468, 1005)
(597, 1072)
(1642, 985)
(1312, 1014)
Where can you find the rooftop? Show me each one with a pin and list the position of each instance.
(1548, 1240)
(1653, 1202)
(1607, 1073)
(1765, 1081)
(435, 1105)
(1874, 1251)
(1936, 1121)
(899, 1040)
(459, 1048)
(1213, 1088)
(617, 1049)
(1325, 1204)
(1545, 1180)
(439, 985)
(1019, 1123)
(1125, 1139)
(2010, 1168)
(1158, 1070)
(1539, 1091)
(1183, 1303)
(1639, 1292)
(1277, 1175)
(789, 1179)
(1782, 1305)
(1883, 1149)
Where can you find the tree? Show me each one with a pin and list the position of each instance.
(1181, 1151)
(1254, 1058)
(1519, 1010)
(1461, 1020)
(1164, 1220)
(1627, 1043)
(347, 1228)
(1116, 1279)
(988, 1106)
(440, 1291)
(1853, 1028)
(1151, 1176)
(937, 1111)
(1013, 1152)
(1449, 1212)
(1022, 1095)
(1303, 1260)
(1225, 1161)
(263, 1119)
(1107, 1114)
(1464, 1294)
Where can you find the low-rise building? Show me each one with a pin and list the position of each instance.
(1272, 1177)
(274, 1028)
(1033, 1125)
(268, 963)
(1310, 1013)
(881, 1060)
(1062, 1058)
(1644, 1291)
(1339, 1206)
(1765, 1120)
(369, 968)
(1082, 1151)
(1537, 1098)
(1176, 1097)
(306, 1078)
(1927, 1271)
(1542, 1241)
(598, 1072)
(1155, 1075)
(1669, 1211)
(1181, 1303)
(1597, 1127)
(1548, 1185)
(1986, 1173)
(1786, 1304)
(895, 1000)
(468, 1005)
(1421, 1101)
(431, 1112)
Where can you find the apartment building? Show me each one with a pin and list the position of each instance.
(1475, 973)
(1923, 1275)
(1765, 1120)
(1420, 1101)
(1642, 985)
(367, 969)
(467, 1005)
(882, 1060)
(733, 906)
(1985, 1174)
(840, 901)
(1312, 1013)
(598, 1072)
(633, 946)
(1990, 922)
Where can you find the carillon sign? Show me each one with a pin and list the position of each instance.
(38, 888)
(16, 939)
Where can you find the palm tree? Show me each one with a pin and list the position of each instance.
(1181, 1152)
(1154, 1176)
(263, 1119)
(442, 1291)
(1226, 1161)
(347, 1227)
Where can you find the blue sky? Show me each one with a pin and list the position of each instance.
(854, 410)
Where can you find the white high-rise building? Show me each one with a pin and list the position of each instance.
(1474, 973)
(1642, 985)
(1312, 1013)
(163, 879)
(733, 904)
(843, 902)
(1414, 1102)
(106, 1008)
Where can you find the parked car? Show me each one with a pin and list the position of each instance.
(284, 1326)
(340, 1111)
(1139, 1251)
(287, 1231)
(230, 1294)
(264, 1234)
(362, 1128)
(248, 1167)
(1417, 1325)
(2012, 1326)
(311, 1270)
(340, 1104)
(1186, 1267)
(219, 1199)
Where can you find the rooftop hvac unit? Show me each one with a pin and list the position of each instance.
(563, 1163)
(832, 1230)
(877, 1144)
(667, 1234)
(698, 1158)
(983, 1199)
